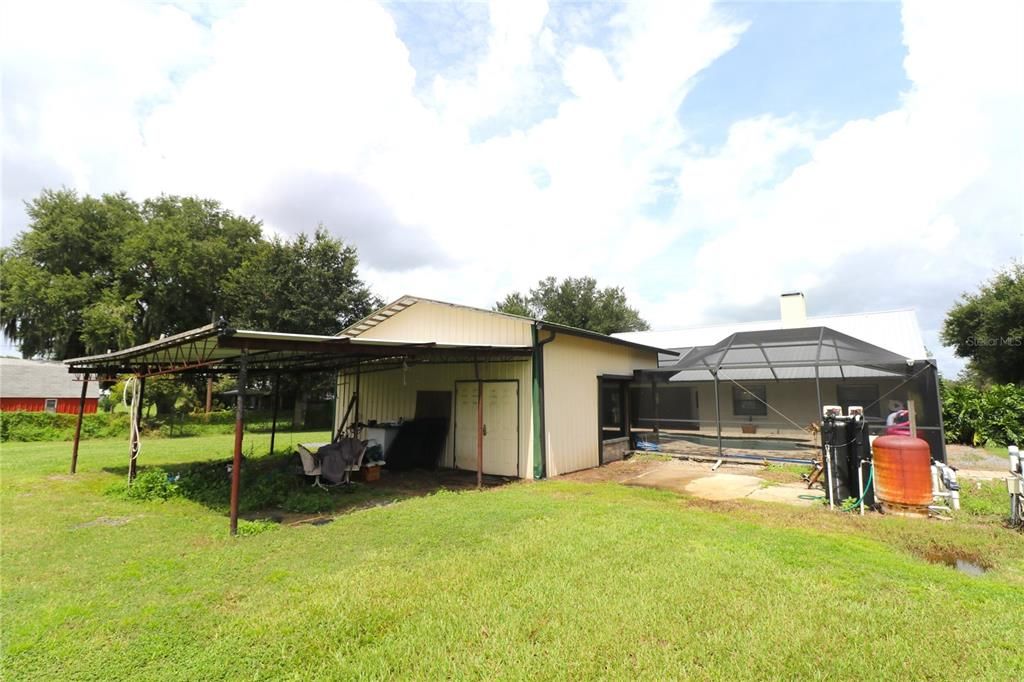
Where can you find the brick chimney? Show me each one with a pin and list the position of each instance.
(793, 308)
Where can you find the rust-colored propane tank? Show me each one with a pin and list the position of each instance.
(903, 471)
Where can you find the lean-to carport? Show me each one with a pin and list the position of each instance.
(218, 349)
(799, 353)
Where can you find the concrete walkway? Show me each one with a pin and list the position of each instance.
(697, 479)
(983, 474)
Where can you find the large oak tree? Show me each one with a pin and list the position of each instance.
(93, 274)
(576, 302)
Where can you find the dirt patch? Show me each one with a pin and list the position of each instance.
(791, 493)
(106, 521)
(614, 472)
(964, 561)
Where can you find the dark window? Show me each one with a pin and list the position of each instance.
(746, 405)
(51, 405)
(613, 409)
(864, 395)
(675, 407)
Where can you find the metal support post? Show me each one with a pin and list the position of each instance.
(236, 463)
(479, 434)
(718, 415)
(78, 424)
(277, 405)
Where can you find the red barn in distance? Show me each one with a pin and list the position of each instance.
(39, 386)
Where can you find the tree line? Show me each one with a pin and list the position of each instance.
(94, 274)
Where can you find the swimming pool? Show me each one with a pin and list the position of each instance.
(745, 443)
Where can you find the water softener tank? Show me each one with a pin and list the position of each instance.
(903, 480)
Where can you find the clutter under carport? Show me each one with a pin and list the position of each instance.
(218, 349)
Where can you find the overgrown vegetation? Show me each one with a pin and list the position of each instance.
(980, 416)
(553, 580)
(46, 426)
(270, 482)
(152, 484)
(985, 500)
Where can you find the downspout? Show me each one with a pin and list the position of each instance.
(540, 450)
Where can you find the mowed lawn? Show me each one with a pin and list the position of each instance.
(530, 580)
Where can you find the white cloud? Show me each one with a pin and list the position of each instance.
(309, 111)
(904, 209)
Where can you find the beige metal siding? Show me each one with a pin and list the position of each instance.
(443, 323)
(391, 395)
(571, 368)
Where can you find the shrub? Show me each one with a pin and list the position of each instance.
(976, 417)
(266, 481)
(248, 528)
(151, 484)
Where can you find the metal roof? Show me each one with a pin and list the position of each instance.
(216, 348)
(39, 379)
(894, 330)
(780, 354)
(357, 329)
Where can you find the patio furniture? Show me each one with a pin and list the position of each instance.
(333, 462)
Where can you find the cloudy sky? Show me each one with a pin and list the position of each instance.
(705, 156)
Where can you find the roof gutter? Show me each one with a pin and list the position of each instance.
(540, 450)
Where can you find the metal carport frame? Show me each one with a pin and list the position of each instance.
(219, 349)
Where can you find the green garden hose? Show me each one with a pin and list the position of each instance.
(867, 486)
(856, 503)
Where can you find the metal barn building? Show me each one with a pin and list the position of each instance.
(556, 404)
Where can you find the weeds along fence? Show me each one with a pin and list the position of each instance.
(46, 426)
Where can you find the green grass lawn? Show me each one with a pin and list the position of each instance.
(530, 580)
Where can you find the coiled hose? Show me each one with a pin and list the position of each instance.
(134, 387)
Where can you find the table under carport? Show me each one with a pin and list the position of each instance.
(218, 349)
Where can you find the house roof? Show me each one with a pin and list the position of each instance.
(39, 379)
(378, 316)
(896, 331)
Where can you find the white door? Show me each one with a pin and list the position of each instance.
(501, 426)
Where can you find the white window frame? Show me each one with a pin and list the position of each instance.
(50, 405)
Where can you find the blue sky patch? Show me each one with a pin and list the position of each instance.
(829, 62)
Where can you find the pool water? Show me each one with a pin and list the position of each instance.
(746, 443)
